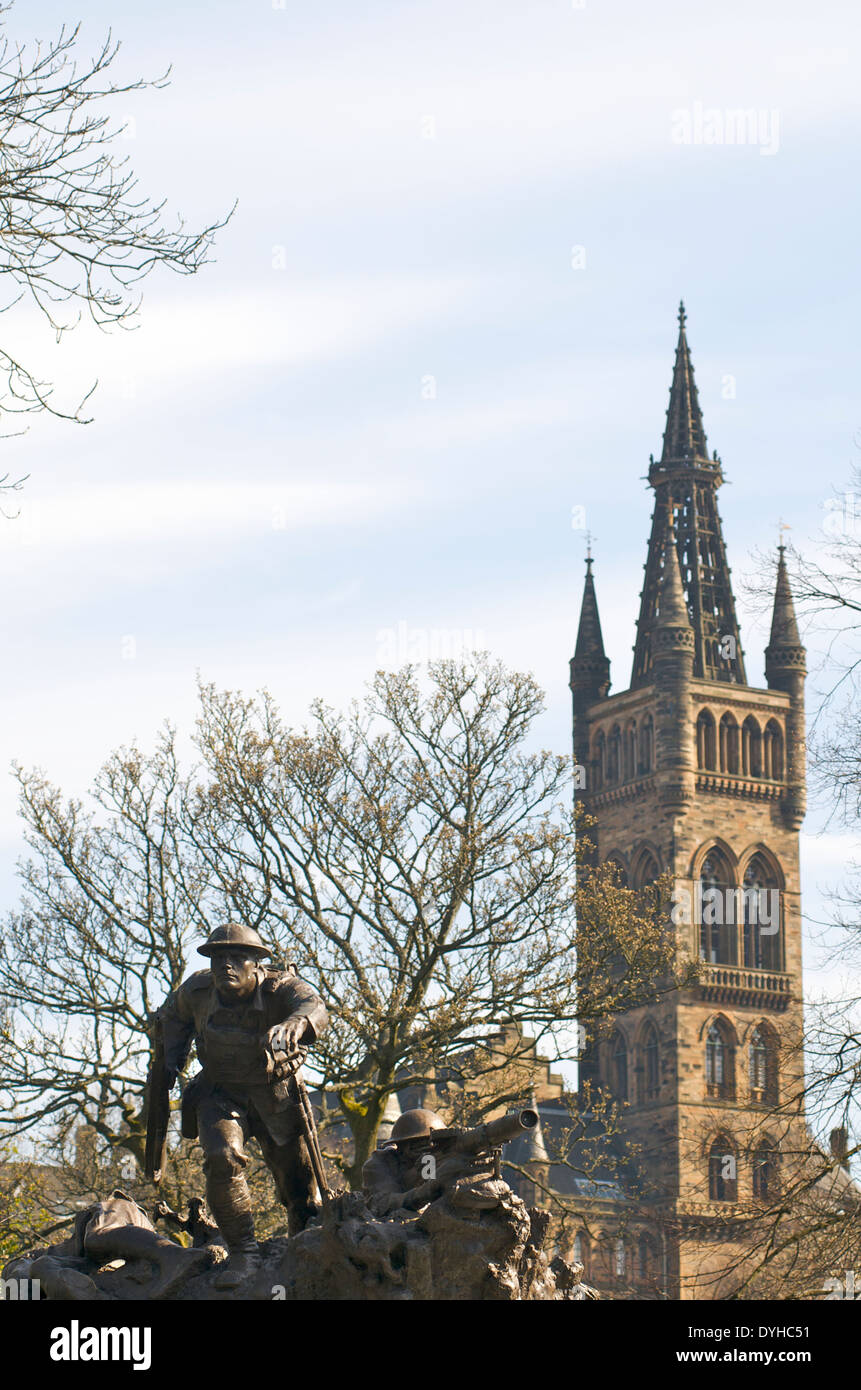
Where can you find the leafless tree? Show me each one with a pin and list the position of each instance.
(77, 235)
(101, 937)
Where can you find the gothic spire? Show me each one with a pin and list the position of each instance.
(590, 668)
(784, 626)
(785, 663)
(672, 608)
(785, 651)
(685, 481)
(684, 436)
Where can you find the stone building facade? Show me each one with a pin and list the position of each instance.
(693, 771)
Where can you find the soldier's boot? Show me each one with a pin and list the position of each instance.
(230, 1203)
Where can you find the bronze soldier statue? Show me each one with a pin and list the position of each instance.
(395, 1177)
(250, 1025)
(117, 1228)
(423, 1158)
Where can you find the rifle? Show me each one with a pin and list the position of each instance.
(286, 1071)
(484, 1139)
(157, 1106)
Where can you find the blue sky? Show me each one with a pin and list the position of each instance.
(443, 316)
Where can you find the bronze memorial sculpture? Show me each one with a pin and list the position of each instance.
(250, 1025)
(435, 1220)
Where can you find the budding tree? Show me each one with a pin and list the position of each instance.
(803, 1236)
(414, 857)
(417, 858)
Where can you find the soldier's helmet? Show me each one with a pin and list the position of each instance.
(235, 935)
(414, 1124)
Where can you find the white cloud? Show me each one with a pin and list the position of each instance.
(222, 336)
(198, 512)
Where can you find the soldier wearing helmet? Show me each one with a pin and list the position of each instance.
(234, 1012)
(405, 1175)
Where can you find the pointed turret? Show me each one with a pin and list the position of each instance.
(785, 669)
(687, 474)
(684, 436)
(672, 654)
(590, 667)
(589, 674)
(672, 610)
(527, 1154)
(784, 625)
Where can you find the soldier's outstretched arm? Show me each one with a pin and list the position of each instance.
(303, 1016)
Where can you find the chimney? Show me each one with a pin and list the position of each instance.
(838, 1141)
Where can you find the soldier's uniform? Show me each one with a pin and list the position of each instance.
(391, 1184)
(393, 1178)
(233, 1098)
(406, 1174)
(119, 1211)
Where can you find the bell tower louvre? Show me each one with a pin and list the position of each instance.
(693, 771)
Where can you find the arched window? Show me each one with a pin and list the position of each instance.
(644, 875)
(630, 751)
(606, 1252)
(620, 1261)
(620, 873)
(751, 748)
(763, 1064)
(729, 759)
(717, 911)
(598, 760)
(614, 747)
(773, 751)
(765, 1172)
(645, 870)
(762, 935)
(720, 1062)
(608, 1258)
(651, 1063)
(647, 731)
(723, 1171)
(646, 1263)
(706, 751)
(619, 1066)
(581, 1252)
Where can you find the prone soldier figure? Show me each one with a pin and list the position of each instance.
(248, 1022)
(117, 1228)
(397, 1176)
(423, 1159)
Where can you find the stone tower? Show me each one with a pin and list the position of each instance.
(692, 770)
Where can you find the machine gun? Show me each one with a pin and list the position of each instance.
(484, 1139)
